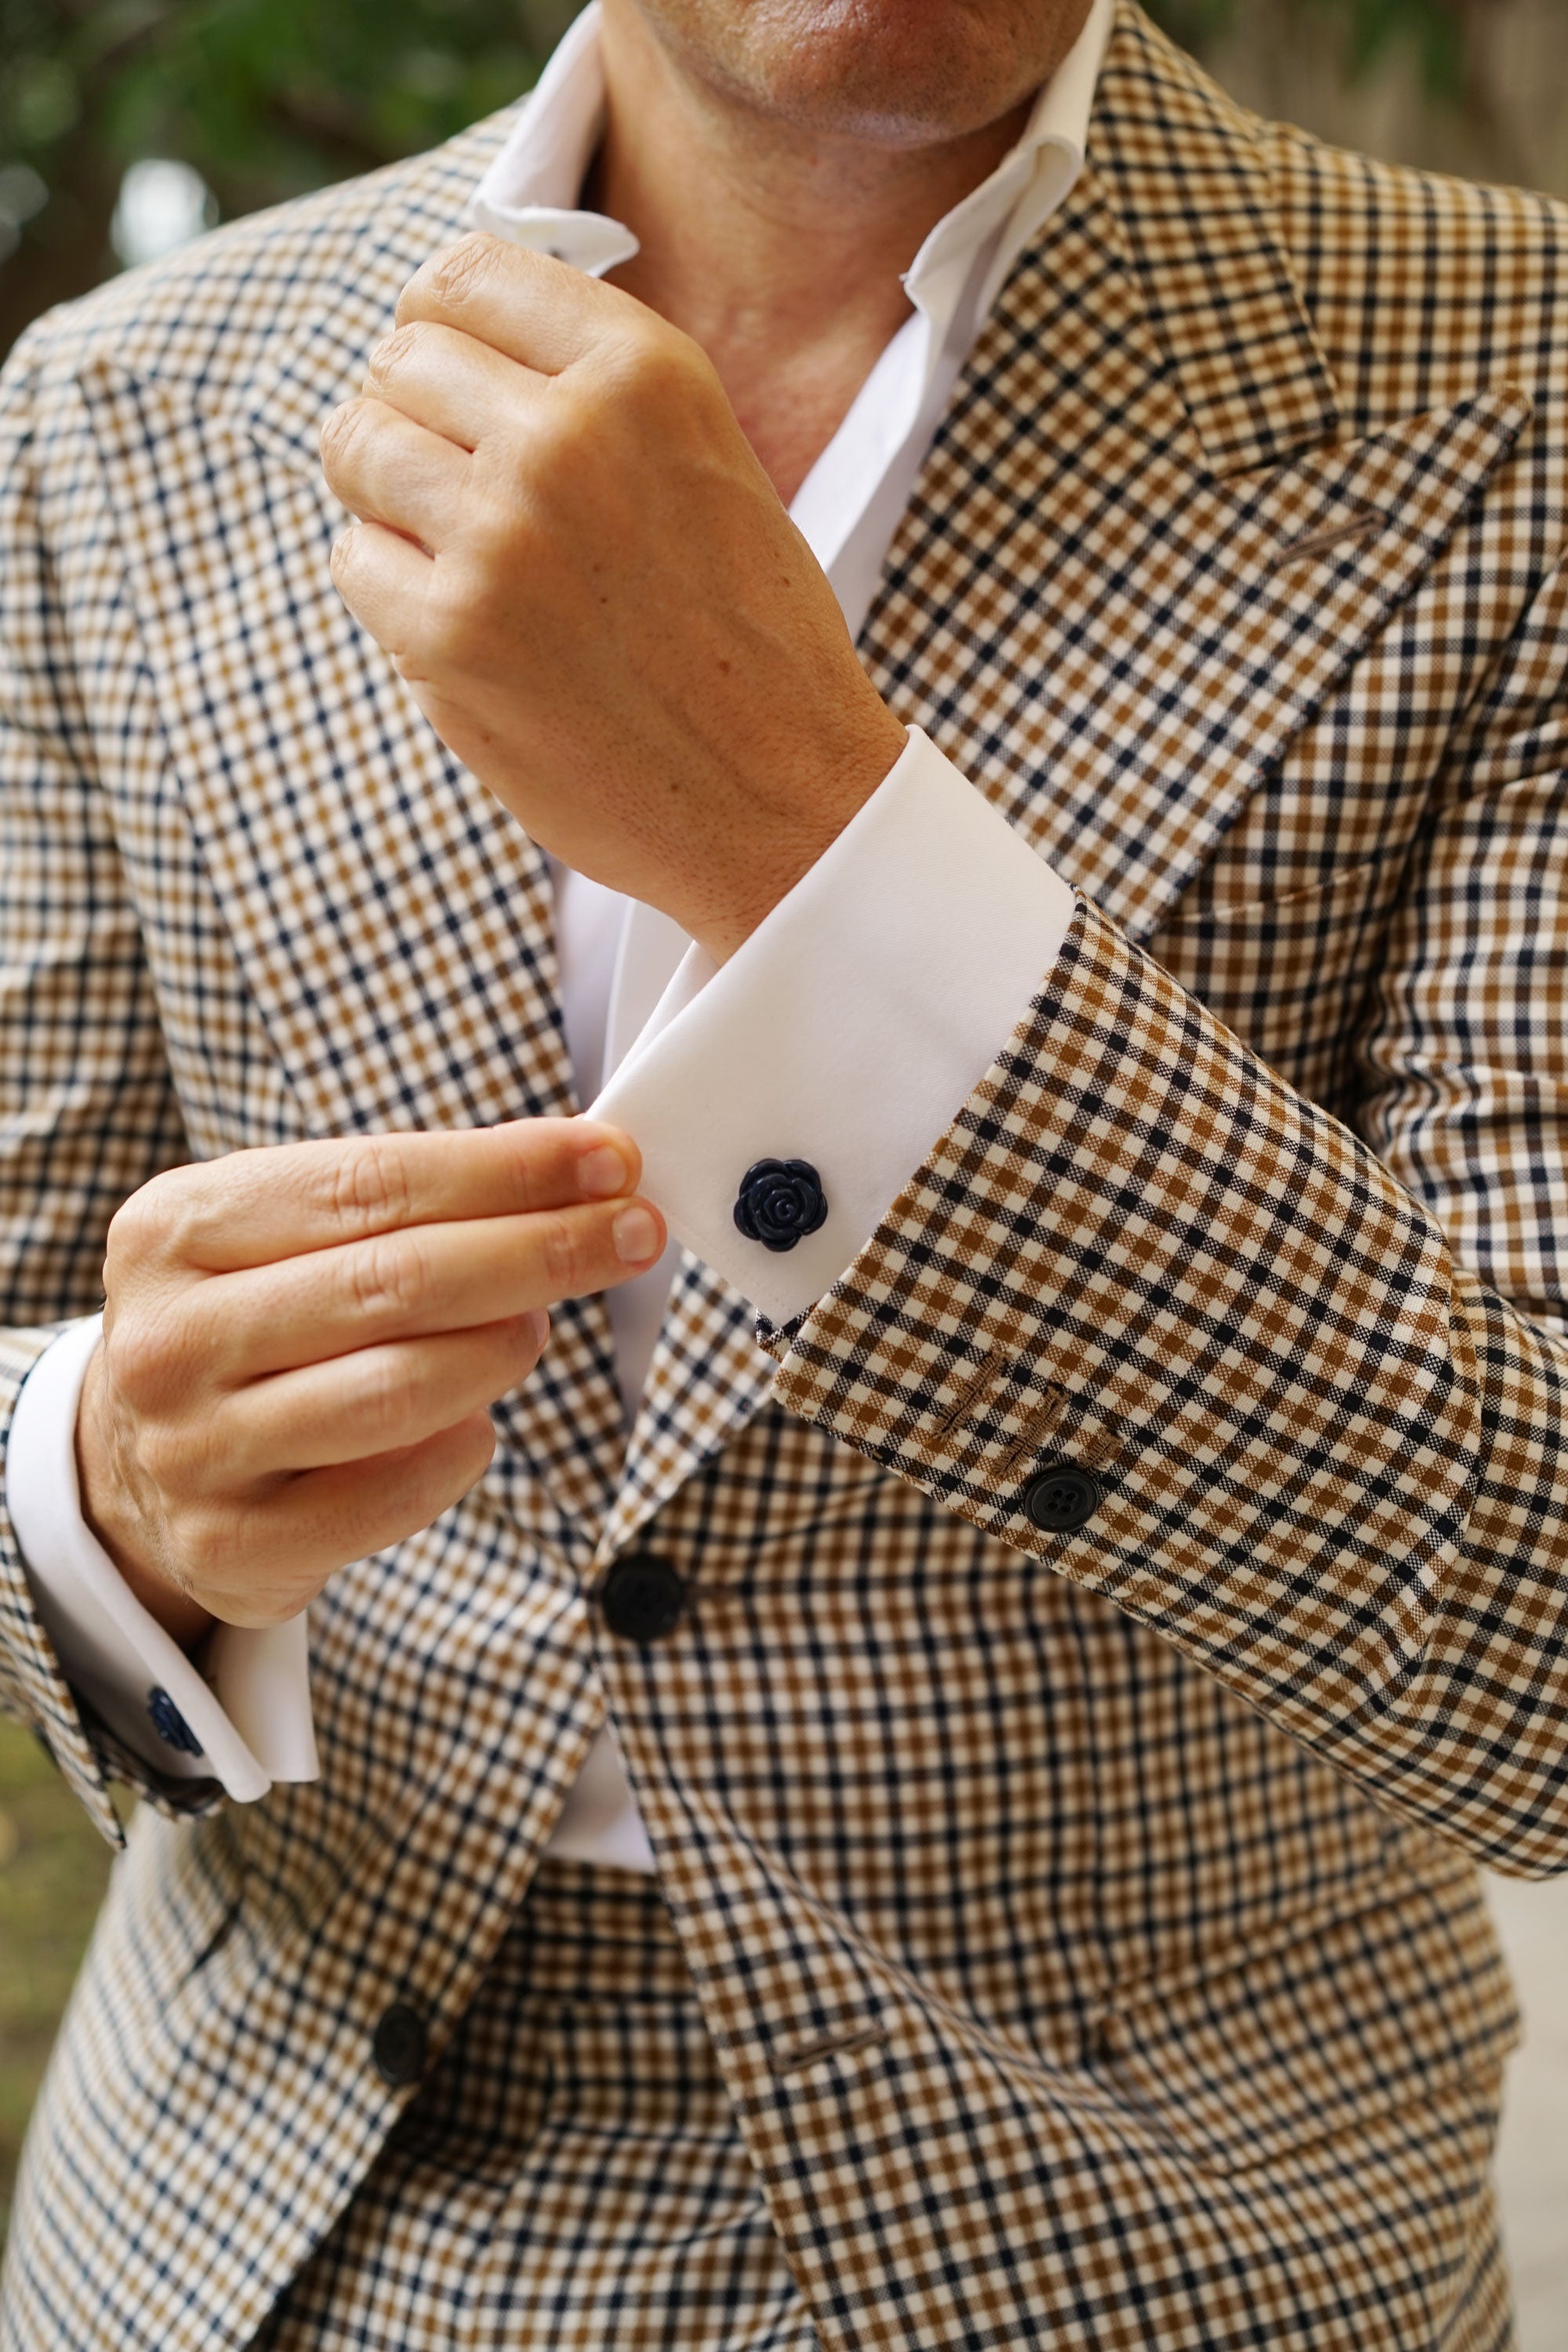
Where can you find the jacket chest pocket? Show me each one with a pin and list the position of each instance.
(1292, 975)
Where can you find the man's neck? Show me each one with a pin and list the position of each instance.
(781, 253)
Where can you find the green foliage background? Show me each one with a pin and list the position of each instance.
(267, 97)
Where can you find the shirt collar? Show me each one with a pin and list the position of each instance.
(529, 194)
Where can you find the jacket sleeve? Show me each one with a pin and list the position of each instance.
(86, 1109)
(1310, 1377)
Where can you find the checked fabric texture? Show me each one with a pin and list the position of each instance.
(570, 2172)
(1086, 1927)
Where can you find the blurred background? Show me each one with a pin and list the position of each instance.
(129, 126)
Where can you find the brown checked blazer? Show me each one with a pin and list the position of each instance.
(1087, 1925)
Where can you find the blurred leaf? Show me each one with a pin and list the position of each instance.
(264, 99)
(1433, 29)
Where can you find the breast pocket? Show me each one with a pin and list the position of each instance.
(1290, 975)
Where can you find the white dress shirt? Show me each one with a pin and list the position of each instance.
(906, 957)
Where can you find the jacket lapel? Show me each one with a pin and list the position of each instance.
(1137, 560)
(708, 1379)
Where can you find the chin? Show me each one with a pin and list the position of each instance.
(906, 71)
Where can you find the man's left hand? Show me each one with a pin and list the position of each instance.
(571, 550)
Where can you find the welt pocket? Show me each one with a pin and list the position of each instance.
(1355, 885)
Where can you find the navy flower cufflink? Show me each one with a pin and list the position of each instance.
(781, 1202)
(170, 1725)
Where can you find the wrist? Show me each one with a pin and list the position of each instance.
(779, 847)
(110, 1512)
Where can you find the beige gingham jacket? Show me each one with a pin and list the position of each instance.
(1086, 1925)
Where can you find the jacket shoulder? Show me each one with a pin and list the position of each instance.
(1422, 290)
(301, 277)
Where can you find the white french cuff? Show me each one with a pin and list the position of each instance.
(837, 1045)
(246, 1714)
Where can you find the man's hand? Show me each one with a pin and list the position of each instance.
(580, 566)
(300, 1344)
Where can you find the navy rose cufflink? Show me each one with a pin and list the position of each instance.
(170, 1725)
(781, 1202)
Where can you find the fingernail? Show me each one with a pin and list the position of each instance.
(601, 1173)
(636, 1236)
(541, 1323)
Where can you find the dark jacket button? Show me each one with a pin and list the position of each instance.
(642, 1598)
(1061, 1497)
(170, 1725)
(399, 2046)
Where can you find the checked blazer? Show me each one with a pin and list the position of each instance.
(1087, 1925)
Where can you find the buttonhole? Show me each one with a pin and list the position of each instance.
(1365, 524)
(972, 1386)
(830, 2045)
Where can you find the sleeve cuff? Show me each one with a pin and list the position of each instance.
(841, 1040)
(244, 1720)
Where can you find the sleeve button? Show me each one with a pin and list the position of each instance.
(399, 2046)
(1061, 1497)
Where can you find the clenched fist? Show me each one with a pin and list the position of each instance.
(300, 1343)
(583, 571)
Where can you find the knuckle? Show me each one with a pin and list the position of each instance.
(459, 608)
(385, 1393)
(394, 351)
(160, 1455)
(369, 1186)
(463, 1459)
(344, 558)
(495, 543)
(136, 1359)
(478, 1453)
(153, 1221)
(661, 365)
(195, 1535)
(561, 1253)
(127, 1239)
(189, 1206)
(341, 431)
(461, 272)
(567, 427)
(519, 1340)
(390, 1277)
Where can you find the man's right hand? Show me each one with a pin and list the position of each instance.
(300, 1345)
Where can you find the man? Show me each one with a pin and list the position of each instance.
(1064, 1673)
